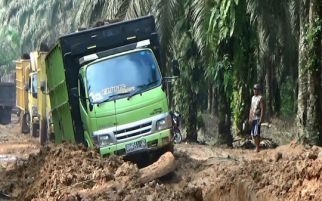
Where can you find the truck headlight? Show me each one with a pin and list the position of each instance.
(104, 140)
(164, 123)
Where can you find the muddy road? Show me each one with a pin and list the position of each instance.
(71, 172)
(14, 146)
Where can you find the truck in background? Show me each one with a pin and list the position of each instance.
(7, 101)
(43, 102)
(33, 102)
(106, 89)
(22, 79)
(27, 92)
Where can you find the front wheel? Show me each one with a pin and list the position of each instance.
(43, 132)
(24, 123)
(177, 137)
(34, 129)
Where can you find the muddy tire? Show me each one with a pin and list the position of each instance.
(154, 156)
(51, 137)
(50, 133)
(34, 130)
(163, 150)
(43, 132)
(169, 147)
(24, 124)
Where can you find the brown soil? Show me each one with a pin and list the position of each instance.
(14, 146)
(71, 172)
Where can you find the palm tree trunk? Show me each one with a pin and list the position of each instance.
(268, 81)
(302, 76)
(314, 119)
(224, 124)
(192, 117)
(215, 101)
(210, 99)
(309, 96)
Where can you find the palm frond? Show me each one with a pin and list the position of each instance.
(130, 9)
(200, 17)
(165, 12)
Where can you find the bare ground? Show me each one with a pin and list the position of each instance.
(14, 146)
(71, 172)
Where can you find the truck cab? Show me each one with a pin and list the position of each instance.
(122, 102)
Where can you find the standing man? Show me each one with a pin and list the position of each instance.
(256, 114)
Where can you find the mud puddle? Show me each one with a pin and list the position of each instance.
(7, 158)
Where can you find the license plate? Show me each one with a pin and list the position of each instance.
(135, 146)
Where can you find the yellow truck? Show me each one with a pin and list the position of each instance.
(26, 92)
(43, 101)
(33, 97)
(22, 79)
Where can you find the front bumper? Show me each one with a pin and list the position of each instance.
(154, 141)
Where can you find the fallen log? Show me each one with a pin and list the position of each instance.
(161, 167)
(165, 165)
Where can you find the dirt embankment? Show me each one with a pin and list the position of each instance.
(291, 172)
(69, 172)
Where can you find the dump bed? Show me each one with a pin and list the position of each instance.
(22, 73)
(63, 66)
(7, 94)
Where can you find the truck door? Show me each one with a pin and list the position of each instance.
(83, 104)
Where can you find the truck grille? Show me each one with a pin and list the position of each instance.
(133, 131)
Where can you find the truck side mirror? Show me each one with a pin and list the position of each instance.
(74, 92)
(43, 86)
(175, 67)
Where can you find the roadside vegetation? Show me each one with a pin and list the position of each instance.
(223, 48)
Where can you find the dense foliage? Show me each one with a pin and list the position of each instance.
(223, 47)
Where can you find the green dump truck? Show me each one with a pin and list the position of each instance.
(106, 89)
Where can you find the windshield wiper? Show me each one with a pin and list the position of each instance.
(112, 96)
(140, 88)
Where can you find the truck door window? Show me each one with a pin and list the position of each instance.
(34, 86)
(29, 83)
(82, 92)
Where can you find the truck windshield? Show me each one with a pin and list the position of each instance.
(34, 84)
(122, 76)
